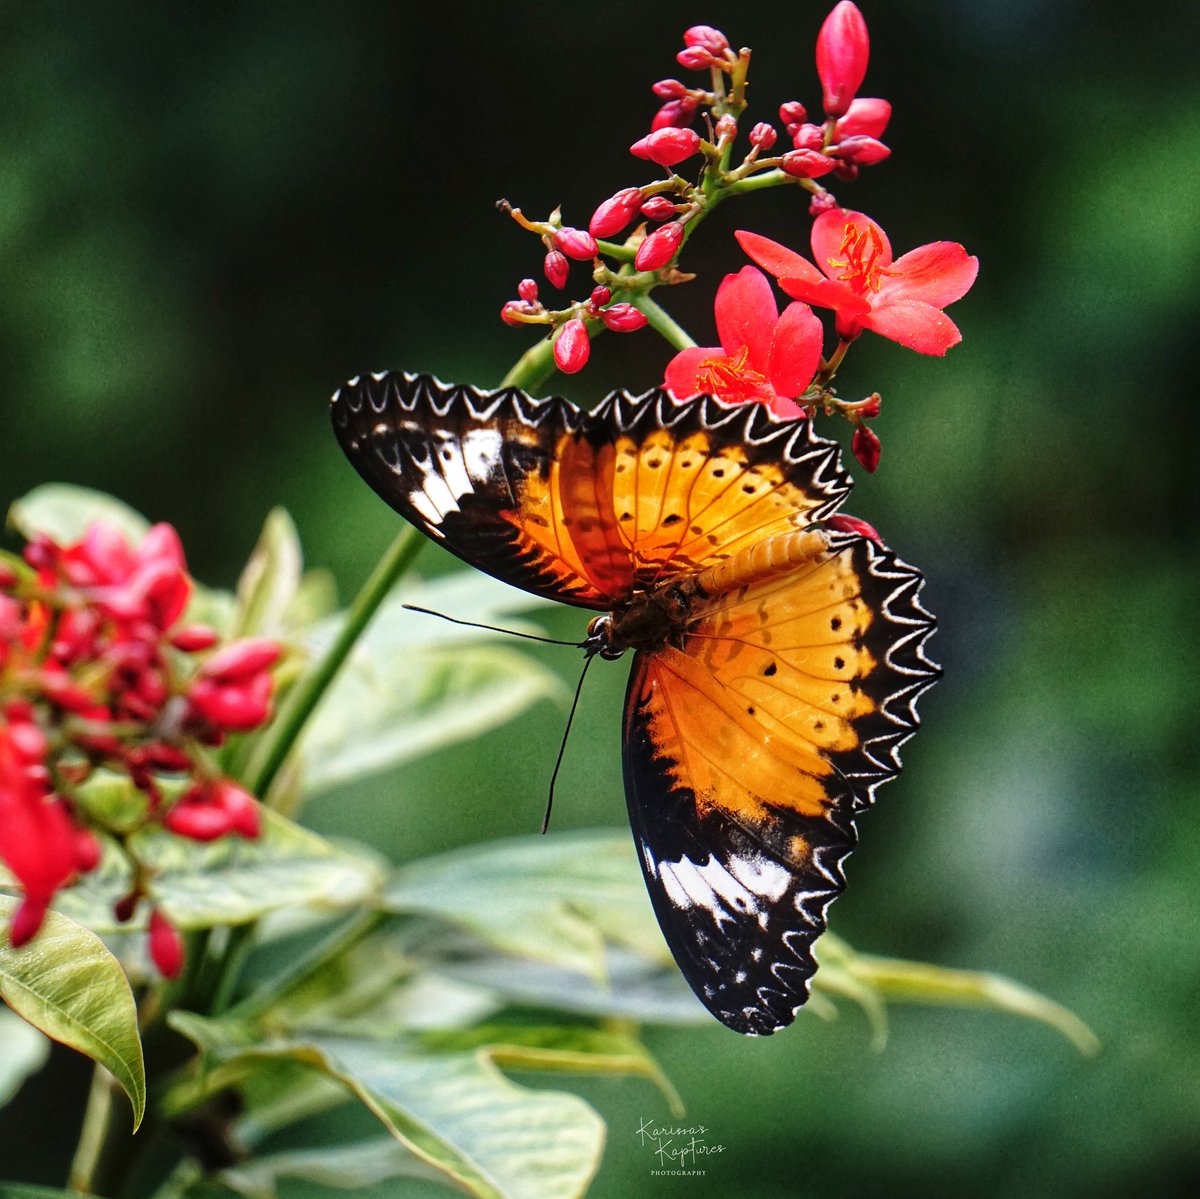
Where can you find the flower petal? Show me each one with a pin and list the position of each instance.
(795, 351)
(776, 259)
(936, 274)
(746, 315)
(918, 326)
(829, 239)
(682, 378)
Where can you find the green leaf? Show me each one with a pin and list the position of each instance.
(228, 881)
(338, 1167)
(270, 580)
(23, 1051)
(455, 1111)
(18, 1190)
(415, 684)
(63, 512)
(551, 899)
(68, 985)
(891, 980)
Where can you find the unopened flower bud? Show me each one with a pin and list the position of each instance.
(808, 137)
(615, 213)
(763, 135)
(527, 289)
(846, 171)
(871, 407)
(125, 908)
(241, 659)
(658, 208)
(576, 243)
(866, 115)
(599, 297)
(660, 247)
(667, 146)
(572, 347)
(557, 268)
(166, 945)
(806, 164)
(726, 127)
(862, 151)
(87, 850)
(239, 806)
(674, 114)
(842, 52)
(706, 37)
(194, 638)
(866, 447)
(852, 524)
(669, 89)
(793, 113)
(511, 313)
(623, 318)
(694, 58)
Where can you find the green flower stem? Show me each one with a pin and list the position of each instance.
(753, 183)
(271, 752)
(663, 323)
(533, 368)
(105, 1150)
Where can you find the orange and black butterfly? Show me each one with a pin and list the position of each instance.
(777, 663)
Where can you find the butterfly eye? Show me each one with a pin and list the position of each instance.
(598, 631)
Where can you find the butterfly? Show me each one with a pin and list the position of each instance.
(776, 666)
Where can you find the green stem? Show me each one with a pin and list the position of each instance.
(753, 183)
(664, 324)
(106, 1148)
(533, 368)
(271, 752)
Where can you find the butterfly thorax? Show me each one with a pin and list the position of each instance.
(648, 620)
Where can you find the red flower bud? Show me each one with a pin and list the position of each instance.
(577, 244)
(572, 348)
(726, 127)
(160, 756)
(658, 208)
(87, 851)
(862, 151)
(660, 247)
(195, 637)
(708, 38)
(241, 660)
(511, 313)
(234, 707)
(615, 213)
(527, 289)
(667, 146)
(866, 447)
(599, 297)
(871, 407)
(694, 58)
(8, 576)
(239, 806)
(28, 919)
(669, 89)
(846, 171)
(623, 318)
(557, 268)
(126, 907)
(793, 113)
(842, 51)
(808, 137)
(852, 524)
(763, 135)
(166, 945)
(806, 164)
(196, 818)
(867, 116)
(674, 114)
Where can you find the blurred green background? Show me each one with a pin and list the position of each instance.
(211, 215)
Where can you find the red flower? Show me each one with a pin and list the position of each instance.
(39, 841)
(763, 356)
(901, 299)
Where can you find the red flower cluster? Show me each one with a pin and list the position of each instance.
(96, 671)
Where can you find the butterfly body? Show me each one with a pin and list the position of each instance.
(776, 662)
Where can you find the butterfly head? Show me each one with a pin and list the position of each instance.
(599, 638)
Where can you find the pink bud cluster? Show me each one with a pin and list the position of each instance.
(97, 670)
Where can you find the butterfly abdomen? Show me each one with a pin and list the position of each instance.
(774, 556)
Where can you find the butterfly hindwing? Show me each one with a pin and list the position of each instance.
(748, 752)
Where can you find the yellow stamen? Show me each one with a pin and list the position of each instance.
(860, 268)
(730, 378)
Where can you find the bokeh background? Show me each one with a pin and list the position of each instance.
(212, 214)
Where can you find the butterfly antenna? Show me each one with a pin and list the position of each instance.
(491, 628)
(566, 733)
